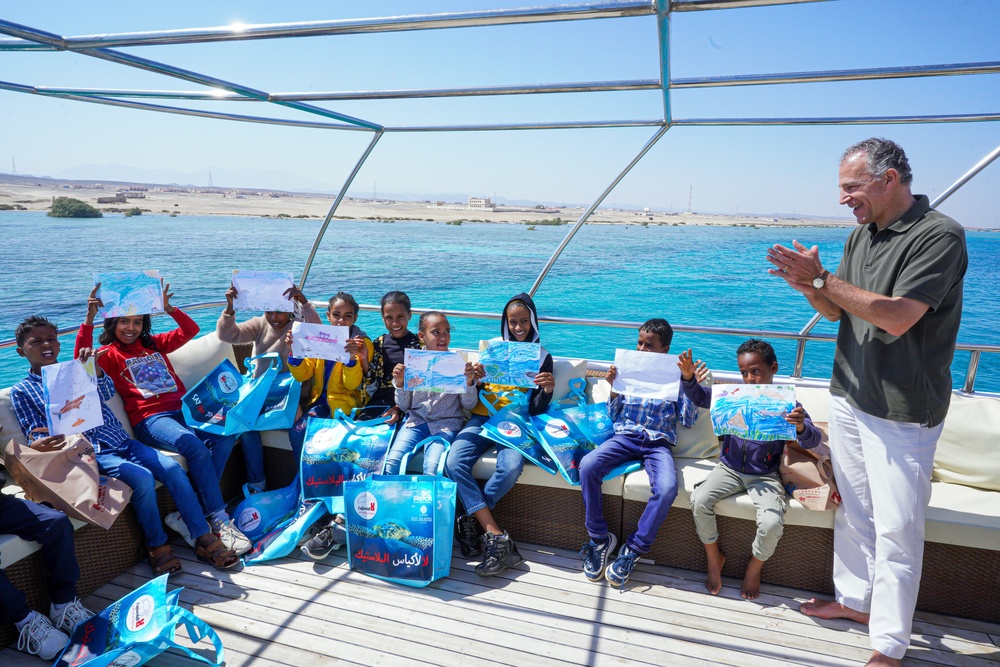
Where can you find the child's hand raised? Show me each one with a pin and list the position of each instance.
(397, 375)
(231, 295)
(288, 340)
(546, 381)
(480, 371)
(611, 374)
(691, 369)
(167, 295)
(94, 305)
(295, 294)
(470, 373)
(797, 417)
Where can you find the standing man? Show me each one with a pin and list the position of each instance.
(898, 296)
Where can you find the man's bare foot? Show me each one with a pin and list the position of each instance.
(716, 559)
(750, 588)
(829, 609)
(879, 660)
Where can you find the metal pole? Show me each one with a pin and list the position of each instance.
(663, 41)
(336, 203)
(586, 214)
(982, 164)
(970, 373)
(800, 347)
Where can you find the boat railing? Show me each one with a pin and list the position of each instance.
(801, 337)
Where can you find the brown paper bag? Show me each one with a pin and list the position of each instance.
(808, 476)
(68, 480)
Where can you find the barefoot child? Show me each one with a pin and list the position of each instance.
(429, 413)
(267, 333)
(645, 430)
(137, 361)
(388, 351)
(747, 466)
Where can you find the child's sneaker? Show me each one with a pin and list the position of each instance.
(469, 536)
(499, 553)
(176, 523)
(619, 571)
(322, 544)
(231, 537)
(67, 618)
(39, 637)
(595, 556)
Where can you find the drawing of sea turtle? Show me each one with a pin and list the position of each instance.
(392, 530)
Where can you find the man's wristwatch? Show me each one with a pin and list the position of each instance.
(821, 280)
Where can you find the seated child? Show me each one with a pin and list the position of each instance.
(645, 430)
(267, 333)
(388, 351)
(37, 634)
(751, 467)
(136, 360)
(519, 322)
(117, 455)
(430, 413)
(334, 386)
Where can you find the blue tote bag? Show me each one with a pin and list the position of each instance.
(400, 527)
(136, 629)
(258, 514)
(573, 428)
(227, 403)
(341, 450)
(278, 411)
(511, 427)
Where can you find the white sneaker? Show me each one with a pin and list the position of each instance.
(176, 523)
(67, 620)
(232, 537)
(39, 637)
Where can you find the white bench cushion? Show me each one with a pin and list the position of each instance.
(967, 451)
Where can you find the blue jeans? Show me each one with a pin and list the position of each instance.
(658, 462)
(297, 434)
(53, 530)
(141, 467)
(253, 457)
(468, 446)
(206, 454)
(406, 439)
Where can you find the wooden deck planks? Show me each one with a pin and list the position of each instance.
(298, 612)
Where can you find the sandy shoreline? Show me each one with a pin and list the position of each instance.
(37, 197)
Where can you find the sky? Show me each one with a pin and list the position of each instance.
(786, 170)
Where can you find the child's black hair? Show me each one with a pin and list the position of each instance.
(346, 298)
(428, 315)
(661, 328)
(396, 297)
(29, 324)
(145, 336)
(759, 347)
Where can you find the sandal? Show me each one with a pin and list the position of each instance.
(163, 560)
(210, 549)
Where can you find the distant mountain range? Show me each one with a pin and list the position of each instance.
(277, 180)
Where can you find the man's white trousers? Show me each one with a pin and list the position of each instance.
(883, 471)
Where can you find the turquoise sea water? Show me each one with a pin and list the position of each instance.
(714, 276)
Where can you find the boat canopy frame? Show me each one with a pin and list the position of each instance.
(104, 47)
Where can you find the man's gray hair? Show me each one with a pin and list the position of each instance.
(881, 155)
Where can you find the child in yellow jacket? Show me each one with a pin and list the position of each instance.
(335, 385)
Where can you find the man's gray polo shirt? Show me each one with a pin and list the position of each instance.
(921, 256)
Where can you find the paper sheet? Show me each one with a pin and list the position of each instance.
(434, 371)
(647, 375)
(753, 411)
(263, 290)
(72, 404)
(510, 363)
(319, 341)
(127, 293)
